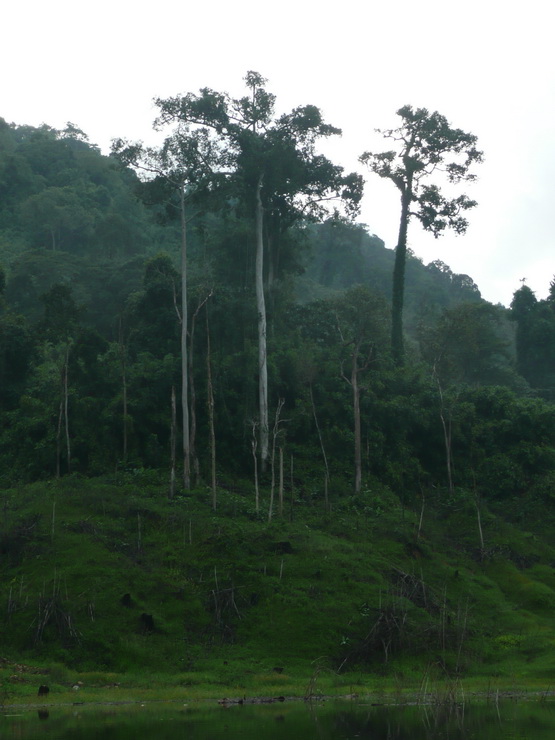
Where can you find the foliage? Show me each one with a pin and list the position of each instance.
(426, 144)
(452, 453)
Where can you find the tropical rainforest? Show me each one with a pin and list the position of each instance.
(211, 454)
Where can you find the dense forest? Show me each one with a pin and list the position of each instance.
(144, 295)
(91, 321)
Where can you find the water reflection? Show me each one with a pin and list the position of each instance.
(294, 721)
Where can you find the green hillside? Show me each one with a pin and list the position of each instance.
(213, 468)
(109, 577)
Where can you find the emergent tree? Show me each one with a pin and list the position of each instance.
(183, 169)
(278, 175)
(425, 144)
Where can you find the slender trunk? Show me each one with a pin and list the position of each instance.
(281, 481)
(59, 436)
(480, 530)
(211, 427)
(193, 399)
(275, 433)
(397, 343)
(66, 409)
(123, 365)
(356, 411)
(421, 519)
(327, 476)
(173, 436)
(446, 426)
(254, 446)
(184, 359)
(261, 309)
(292, 491)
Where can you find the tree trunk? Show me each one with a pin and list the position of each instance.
(261, 309)
(184, 358)
(210, 394)
(281, 481)
(193, 396)
(254, 446)
(446, 426)
(327, 475)
(59, 436)
(397, 343)
(275, 434)
(123, 365)
(356, 412)
(172, 443)
(66, 409)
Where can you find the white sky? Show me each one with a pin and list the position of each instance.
(487, 65)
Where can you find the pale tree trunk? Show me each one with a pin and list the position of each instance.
(281, 481)
(254, 446)
(124, 384)
(355, 385)
(211, 427)
(59, 437)
(63, 416)
(66, 409)
(327, 475)
(184, 358)
(275, 434)
(173, 436)
(261, 309)
(123, 365)
(192, 387)
(356, 411)
(193, 395)
(446, 426)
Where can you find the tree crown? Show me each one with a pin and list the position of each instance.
(426, 144)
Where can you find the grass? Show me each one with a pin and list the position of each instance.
(231, 597)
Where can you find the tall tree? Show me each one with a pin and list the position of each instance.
(425, 144)
(278, 174)
(178, 173)
(362, 326)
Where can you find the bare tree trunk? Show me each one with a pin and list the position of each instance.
(254, 446)
(446, 426)
(275, 433)
(173, 444)
(327, 475)
(123, 365)
(353, 381)
(292, 487)
(358, 443)
(281, 481)
(480, 530)
(59, 436)
(421, 519)
(193, 397)
(184, 358)
(192, 389)
(261, 309)
(211, 427)
(66, 408)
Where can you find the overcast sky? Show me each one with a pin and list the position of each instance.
(488, 66)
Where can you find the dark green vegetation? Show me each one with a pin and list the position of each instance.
(400, 519)
(109, 576)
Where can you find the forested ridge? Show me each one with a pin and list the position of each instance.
(99, 343)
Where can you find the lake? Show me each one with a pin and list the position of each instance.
(333, 720)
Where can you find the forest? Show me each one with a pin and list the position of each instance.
(208, 318)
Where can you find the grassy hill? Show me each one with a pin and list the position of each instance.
(108, 576)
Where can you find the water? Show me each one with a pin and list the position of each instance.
(288, 721)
